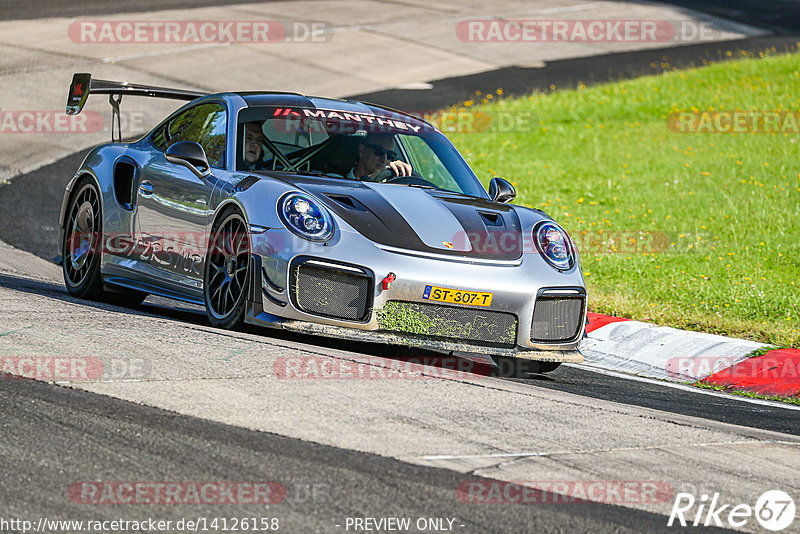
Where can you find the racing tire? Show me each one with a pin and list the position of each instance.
(509, 367)
(226, 277)
(81, 248)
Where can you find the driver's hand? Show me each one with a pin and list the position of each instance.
(399, 168)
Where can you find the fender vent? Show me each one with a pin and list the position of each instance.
(124, 173)
(491, 219)
(246, 183)
(347, 202)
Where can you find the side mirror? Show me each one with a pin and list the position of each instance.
(191, 155)
(501, 191)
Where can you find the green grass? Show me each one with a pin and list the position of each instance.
(716, 216)
(750, 394)
(416, 319)
(396, 316)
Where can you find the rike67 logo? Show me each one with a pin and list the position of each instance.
(774, 510)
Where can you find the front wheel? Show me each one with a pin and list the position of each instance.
(508, 367)
(227, 272)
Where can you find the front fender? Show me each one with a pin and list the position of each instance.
(85, 169)
(258, 202)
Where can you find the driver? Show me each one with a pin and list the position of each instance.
(253, 146)
(375, 154)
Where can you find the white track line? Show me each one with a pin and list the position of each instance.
(595, 451)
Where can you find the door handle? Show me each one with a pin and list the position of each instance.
(146, 188)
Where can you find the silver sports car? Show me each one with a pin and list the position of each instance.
(322, 216)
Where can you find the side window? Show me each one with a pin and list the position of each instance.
(204, 124)
(158, 138)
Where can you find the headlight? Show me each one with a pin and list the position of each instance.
(554, 245)
(301, 214)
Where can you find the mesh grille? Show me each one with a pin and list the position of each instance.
(331, 293)
(556, 319)
(462, 324)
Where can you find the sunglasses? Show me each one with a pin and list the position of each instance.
(379, 151)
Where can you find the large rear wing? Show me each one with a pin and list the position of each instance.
(83, 85)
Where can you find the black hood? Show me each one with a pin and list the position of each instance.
(420, 219)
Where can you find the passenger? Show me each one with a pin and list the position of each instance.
(375, 154)
(253, 146)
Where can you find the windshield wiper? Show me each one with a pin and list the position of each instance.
(421, 186)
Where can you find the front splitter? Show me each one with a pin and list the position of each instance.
(389, 338)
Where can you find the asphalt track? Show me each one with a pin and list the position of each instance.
(781, 16)
(28, 220)
(58, 436)
(576, 380)
(22, 9)
(55, 436)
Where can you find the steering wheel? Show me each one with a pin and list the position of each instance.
(388, 176)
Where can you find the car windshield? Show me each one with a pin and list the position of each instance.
(351, 146)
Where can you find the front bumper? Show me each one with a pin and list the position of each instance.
(515, 286)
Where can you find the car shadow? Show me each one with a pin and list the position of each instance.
(446, 364)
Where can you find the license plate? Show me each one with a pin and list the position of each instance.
(457, 296)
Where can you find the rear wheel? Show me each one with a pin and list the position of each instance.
(508, 367)
(82, 247)
(227, 271)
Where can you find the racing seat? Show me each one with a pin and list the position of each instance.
(339, 157)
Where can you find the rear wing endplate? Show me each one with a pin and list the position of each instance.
(83, 85)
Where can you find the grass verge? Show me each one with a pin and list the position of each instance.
(750, 394)
(699, 231)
